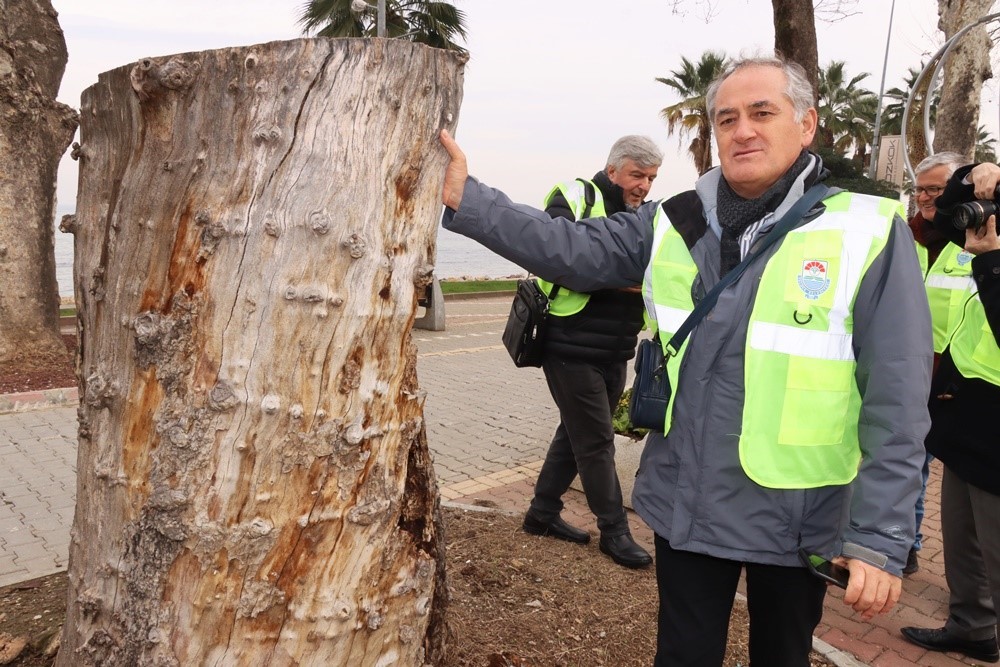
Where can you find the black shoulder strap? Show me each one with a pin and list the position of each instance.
(792, 218)
(589, 198)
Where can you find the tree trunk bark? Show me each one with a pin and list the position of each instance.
(34, 132)
(916, 140)
(966, 67)
(795, 36)
(254, 227)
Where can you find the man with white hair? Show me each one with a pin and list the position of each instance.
(798, 410)
(589, 340)
(944, 266)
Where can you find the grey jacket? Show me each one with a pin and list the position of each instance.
(691, 489)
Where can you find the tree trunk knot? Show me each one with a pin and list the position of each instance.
(68, 224)
(150, 79)
(356, 245)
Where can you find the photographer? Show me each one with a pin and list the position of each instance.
(965, 432)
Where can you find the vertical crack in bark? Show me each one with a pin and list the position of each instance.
(320, 72)
(253, 199)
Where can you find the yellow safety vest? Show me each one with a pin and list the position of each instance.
(802, 404)
(949, 285)
(568, 302)
(973, 346)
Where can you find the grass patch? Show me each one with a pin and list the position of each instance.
(466, 286)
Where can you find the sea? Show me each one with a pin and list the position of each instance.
(457, 257)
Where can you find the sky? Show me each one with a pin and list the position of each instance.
(550, 84)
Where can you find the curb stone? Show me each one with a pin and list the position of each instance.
(37, 400)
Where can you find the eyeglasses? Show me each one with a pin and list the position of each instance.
(932, 190)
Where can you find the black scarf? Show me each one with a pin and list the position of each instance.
(736, 213)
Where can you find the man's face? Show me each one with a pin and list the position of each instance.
(635, 181)
(755, 127)
(930, 185)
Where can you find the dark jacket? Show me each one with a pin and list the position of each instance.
(927, 236)
(607, 328)
(965, 432)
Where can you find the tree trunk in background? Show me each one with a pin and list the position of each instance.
(916, 140)
(795, 36)
(254, 226)
(34, 132)
(967, 66)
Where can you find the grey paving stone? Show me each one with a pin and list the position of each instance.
(27, 554)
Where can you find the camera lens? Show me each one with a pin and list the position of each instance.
(973, 214)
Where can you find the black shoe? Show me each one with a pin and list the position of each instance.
(558, 529)
(941, 639)
(624, 551)
(911, 562)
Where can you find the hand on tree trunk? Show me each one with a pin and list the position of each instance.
(456, 174)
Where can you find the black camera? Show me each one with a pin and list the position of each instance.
(974, 214)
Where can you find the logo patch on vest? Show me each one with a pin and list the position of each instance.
(813, 280)
(964, 258)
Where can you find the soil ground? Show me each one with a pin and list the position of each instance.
(36, 373)
(516, 600)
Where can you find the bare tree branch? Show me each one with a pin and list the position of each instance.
(828, 11)
(832, 11)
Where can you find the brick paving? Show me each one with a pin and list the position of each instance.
(488, 425)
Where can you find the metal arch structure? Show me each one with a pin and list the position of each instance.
(933, 68)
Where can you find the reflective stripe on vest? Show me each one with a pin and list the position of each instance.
(973, 346)
(801, 401)
(568, 302)
(949, 285)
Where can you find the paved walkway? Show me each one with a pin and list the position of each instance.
(488, 426)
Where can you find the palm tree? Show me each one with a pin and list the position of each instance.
(985, 146)
(841, 107)
(690, 115)
(892, 114)
(436, 24)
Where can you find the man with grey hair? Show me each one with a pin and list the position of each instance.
(590, 338)
(944, 278)
(799, 407)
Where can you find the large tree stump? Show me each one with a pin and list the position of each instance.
(254, 486)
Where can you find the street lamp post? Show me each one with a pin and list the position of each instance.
(881, 91)
(380, 21)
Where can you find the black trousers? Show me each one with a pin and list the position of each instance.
(584, 443)
(696, 597)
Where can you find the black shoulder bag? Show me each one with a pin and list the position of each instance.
(524, 334)
(651, 388)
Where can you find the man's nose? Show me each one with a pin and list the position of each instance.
(744, 129)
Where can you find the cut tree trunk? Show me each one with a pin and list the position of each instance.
(34, 133)
(966, 68)
(254, 226)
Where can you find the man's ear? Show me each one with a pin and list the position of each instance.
(809, 122)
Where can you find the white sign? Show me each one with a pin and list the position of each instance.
(890, 166)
